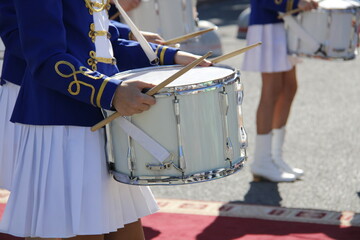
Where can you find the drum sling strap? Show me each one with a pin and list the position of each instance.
(149, 144)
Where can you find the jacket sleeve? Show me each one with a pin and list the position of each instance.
(44, 41)
(279, 5)
(119, 29)
(130, 55)
(9, 31)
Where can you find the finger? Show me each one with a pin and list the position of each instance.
(141, 85)
(148, 100)
(144, 107)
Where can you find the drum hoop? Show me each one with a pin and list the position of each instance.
(177, 180)
(206, 86)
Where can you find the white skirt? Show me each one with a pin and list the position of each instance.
(271, 55)
(8, 133)
(61, 187)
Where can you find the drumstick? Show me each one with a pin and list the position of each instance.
(115, 16)
(155, 89)
(289, 13)
(234, 53)
(187, 36)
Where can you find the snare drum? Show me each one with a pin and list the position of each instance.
(169, 18)
(197, 119)
(333, 27)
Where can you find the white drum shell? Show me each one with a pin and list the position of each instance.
(335, 29)
(202, 136)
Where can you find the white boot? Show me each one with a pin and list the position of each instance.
(277, 153)
(263, 167)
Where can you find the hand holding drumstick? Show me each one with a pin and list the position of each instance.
(129, 99)
(304, 5)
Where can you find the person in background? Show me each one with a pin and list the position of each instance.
(61, 187)
(279, 85)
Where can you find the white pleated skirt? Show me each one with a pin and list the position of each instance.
(61, 187)
(9, 132)
(271, 55)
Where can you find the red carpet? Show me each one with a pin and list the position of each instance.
(200, 220)
(165, 226)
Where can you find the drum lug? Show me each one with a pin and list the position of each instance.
(242, 132)
(182, 161)
(224, 106)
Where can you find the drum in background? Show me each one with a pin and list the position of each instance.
(197, 119)
(334, 26)
(175, 18)
(169, 18)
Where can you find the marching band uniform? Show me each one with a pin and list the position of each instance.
(61, 186)
(266, 27)
(14, 67)
(12, 72)
(270, 57)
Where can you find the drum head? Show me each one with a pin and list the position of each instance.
(198, 77)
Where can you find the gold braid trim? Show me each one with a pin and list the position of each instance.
(76, 83)
(289, 5)
(97, 7)
(278, 2)
(93, 60)
(101, 91)
(162, 55)
(93, 34)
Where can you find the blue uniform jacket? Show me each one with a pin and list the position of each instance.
(64, 82)
(267, 11)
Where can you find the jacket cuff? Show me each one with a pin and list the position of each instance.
(107, 92)
(166, 55)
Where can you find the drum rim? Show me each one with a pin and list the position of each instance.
(166, 180)
(208, 85)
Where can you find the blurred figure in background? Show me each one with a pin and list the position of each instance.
(279, 85)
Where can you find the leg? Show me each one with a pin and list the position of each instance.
(263, 166)
(133, 231)
(271, 89)
(286, 96)
(281, 115)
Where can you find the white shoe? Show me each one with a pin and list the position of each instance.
(263, 167)
(285, 167)
(271, 172)
(278, 137)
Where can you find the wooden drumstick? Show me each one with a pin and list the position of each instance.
(188, 36)
(234, 53)
(115, 16)
(155, 89)
(289, 13)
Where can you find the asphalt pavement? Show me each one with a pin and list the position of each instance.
(323, 132)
